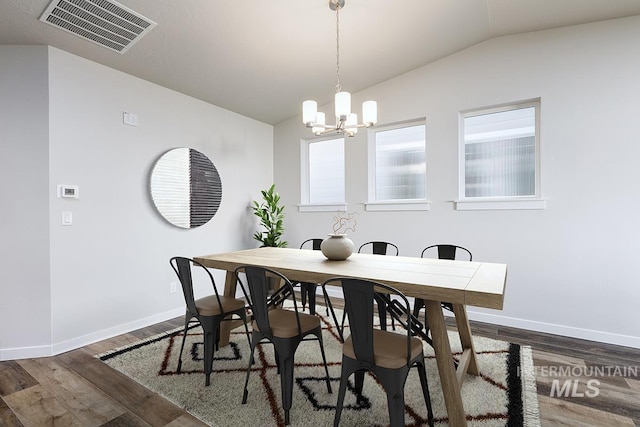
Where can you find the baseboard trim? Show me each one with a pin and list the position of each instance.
(104, 334)
(532, 325)
(550, 328)
(74, 343)
(24, 352)
(555, 329)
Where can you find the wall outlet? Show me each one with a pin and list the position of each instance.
(173, 287)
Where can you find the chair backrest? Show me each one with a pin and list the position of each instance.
(359, 298)
(259, 297)
(379, 248)
(182, 267)
(446, 251)
(315, 244)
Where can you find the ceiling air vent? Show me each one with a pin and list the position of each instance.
(106, 23)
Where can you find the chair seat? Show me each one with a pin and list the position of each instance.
(283, 323)
(389, 349)
(208, 306)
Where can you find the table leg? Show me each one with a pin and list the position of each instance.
(230, 291)
(468, 351)
(446, 369)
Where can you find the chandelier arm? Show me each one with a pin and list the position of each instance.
(318, 125)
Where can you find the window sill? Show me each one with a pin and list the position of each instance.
(398, 205)
(323, 207)
(501, 204)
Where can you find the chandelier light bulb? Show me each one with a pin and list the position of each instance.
(319, 128)
(309, 112)
(343, 105)
(351, 125)
(370, 113)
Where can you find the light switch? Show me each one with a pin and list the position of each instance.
(67, 218)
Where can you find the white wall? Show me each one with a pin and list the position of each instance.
(24, 228)
(572, 267)
(109, 271)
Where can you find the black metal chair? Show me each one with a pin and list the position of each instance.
(387, 355)
(379, 248)
(308, 289)
(283, 328)
(209, 311)
(443, 251)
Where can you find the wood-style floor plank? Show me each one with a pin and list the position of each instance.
(139, 400)
(14, 378)
(126, 420)
(7, 417)
(157, 329)
(555, 412)
(111, 343)
(186, 420)
(85, 401)
(75, 388)
(633, 384)
(37, 407)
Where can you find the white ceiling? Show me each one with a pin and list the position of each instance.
(262, 58)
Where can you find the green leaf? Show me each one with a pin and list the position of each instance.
(271, 216)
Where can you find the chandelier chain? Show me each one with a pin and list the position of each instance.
(338, 87)
(346, 122)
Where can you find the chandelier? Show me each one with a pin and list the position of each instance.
(346, 121)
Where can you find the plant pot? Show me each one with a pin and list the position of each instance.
(337, 247)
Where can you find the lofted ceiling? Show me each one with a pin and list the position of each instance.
(262, 58)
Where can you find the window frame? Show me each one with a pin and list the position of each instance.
(534, 201)
(373, 204)
(305, 204)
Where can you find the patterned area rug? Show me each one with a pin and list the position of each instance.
(503, 395)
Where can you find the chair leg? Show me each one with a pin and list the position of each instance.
(417, 306)
(209, 344)
(312, 297)
(286, 385)
(326, 303)
(184, 336)
(246, 329)
(393, 381)
(324, 360)
(303, 294)
(246, 379)
(395, 400)
(359, 384)
(344, 317)
(277, 356)
(308, 292)
(425, 392)
(217, 340)
(341, 392)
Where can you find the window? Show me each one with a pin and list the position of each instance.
(499, 154)
(323, 174)
(397, 167)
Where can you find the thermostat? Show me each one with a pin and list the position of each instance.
(68, 192)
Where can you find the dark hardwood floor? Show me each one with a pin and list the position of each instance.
(76, 389)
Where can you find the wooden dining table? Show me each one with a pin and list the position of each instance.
(460, 283)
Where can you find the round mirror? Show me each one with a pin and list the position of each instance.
(186, 187)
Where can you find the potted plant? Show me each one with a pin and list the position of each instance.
(271, 216)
